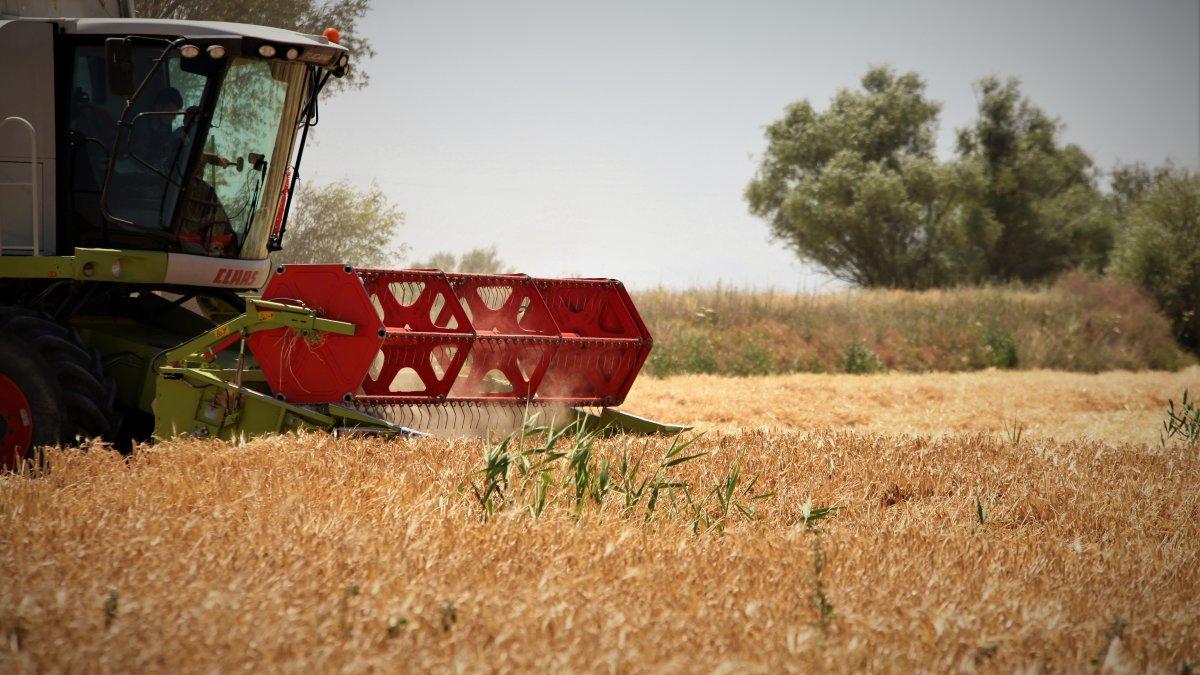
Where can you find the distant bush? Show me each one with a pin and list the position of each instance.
(1001, 347)
(474, 261)
(858, 359)
(1080, 323)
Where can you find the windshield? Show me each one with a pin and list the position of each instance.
(230, 203)
(183, 179)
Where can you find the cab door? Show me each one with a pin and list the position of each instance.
(27, 137)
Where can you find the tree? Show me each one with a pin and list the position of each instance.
(1131, 182)
(856, 188)
(1037, 211)
(474, 261)
(304, 16)
(1159, 248)
(337, 223)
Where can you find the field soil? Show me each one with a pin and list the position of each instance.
(957, 545)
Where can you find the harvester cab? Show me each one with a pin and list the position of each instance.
(146, 173)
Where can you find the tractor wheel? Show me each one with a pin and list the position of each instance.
(52, 387)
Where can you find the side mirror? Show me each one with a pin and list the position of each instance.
(118, 61)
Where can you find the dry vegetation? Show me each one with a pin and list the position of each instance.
(962, 551)
(1118, 406)
(1078, 324)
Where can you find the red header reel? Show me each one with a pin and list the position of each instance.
(425, 336)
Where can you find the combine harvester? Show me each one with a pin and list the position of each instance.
(146, 173)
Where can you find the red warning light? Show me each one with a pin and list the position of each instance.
(332, 35)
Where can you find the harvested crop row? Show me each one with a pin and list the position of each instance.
(1118, 406)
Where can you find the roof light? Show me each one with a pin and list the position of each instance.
(189, 51)
(266, 51)
(332, 35)
(216, 51)
(292, 53)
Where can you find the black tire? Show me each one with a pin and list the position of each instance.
(61, 380)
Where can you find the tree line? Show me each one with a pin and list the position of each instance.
(857, 189)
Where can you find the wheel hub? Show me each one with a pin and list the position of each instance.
(16, 424)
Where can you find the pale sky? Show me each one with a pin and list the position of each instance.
(615, 138)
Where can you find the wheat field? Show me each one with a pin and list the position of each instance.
(957, 545)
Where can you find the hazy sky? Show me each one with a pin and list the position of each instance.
(615, 138)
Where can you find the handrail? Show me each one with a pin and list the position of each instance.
(35, 205)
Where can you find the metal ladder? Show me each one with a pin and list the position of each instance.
(35, 203)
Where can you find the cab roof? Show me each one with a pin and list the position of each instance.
(176, 28)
